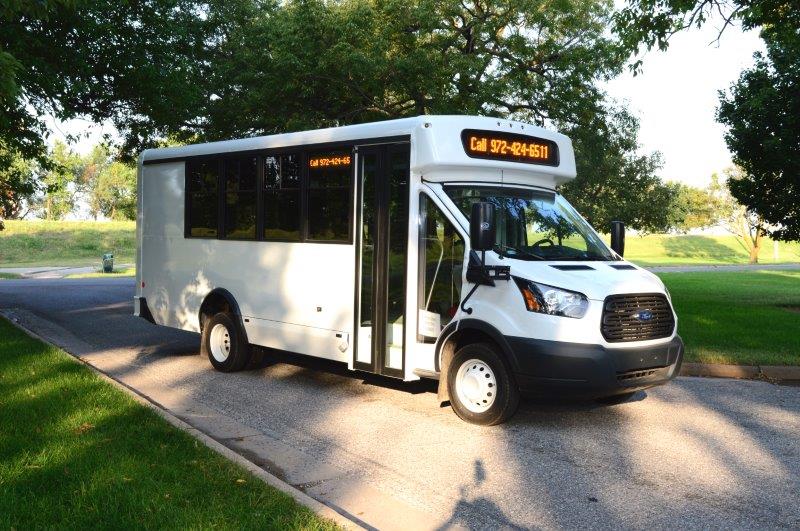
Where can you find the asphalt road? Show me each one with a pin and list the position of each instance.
(697, 453)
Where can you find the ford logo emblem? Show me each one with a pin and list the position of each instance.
(484, 225)
(643, 315)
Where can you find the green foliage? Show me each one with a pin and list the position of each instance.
(762, 113)
(79, 453)
(746, 318)
(695, 208)
(61, 184)
(312, 63)
(18, 184)
(614, 181)
(113, 192)
(139, 64)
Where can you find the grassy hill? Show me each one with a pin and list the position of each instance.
(84, 242)
(667, 249)
(66, 243)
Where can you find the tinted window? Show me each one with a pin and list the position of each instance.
(240, 198)
(202, 185)
(330, 179)
(282, 197)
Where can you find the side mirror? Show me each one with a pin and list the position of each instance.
(482, 230)
(618, 237)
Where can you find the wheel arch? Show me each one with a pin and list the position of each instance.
(220, 300)
(460, 333)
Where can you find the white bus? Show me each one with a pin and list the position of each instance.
(355, 244)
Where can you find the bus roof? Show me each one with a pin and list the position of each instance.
(439, 144)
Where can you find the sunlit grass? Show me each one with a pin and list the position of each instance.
(665, 249)
(66, 243)
(747, 318)
(77, 453)
(124, 272)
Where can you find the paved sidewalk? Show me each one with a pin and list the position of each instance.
(731, 267)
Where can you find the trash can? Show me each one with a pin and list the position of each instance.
(108, 263)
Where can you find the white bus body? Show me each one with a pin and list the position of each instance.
(353, 244)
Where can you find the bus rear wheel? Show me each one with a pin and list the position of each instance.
(481, 388)
(224, 344)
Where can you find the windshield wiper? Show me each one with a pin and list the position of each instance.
(521, 251)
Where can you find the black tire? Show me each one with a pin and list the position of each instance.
(616, 399)
(238, 354)
(506, 391)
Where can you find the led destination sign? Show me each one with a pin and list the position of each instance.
(510, 147)
(328, 161)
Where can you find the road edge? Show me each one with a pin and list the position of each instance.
(779, 373)
(319, 508)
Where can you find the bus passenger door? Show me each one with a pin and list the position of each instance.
(381, 244)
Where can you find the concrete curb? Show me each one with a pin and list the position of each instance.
(300, 497)
(750, 372)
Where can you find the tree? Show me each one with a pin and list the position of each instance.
(738, 219)
(60, 183)
(114, 192)
(695, 208)
(762, 114)
(141, 64)
(18, 184)
(614, 181)
(311, 63)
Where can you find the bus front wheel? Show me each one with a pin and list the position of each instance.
(481, 388)
(224, 344)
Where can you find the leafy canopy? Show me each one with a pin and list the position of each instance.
(614, 181)
(762, 114)
(139, 64)
(312, 63)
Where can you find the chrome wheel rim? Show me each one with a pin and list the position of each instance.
(220, 342)
(476, 385)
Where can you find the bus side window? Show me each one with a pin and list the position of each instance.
(441, 264)
(202, 198)
(329, 196)
(240, 198)
(282, 198)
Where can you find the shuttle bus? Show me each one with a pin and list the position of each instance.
(431, 247)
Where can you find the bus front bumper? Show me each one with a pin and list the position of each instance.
(591, 371)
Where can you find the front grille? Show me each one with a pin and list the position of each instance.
(624, 317)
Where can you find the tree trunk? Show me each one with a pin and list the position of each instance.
(754, 250)
(754, 254)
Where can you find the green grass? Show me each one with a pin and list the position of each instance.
(67, 243)
(125, 272)
(665, 249)
(77, 453)
(745, 318)
(7, 276)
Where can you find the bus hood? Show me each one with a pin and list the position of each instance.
(596, 280)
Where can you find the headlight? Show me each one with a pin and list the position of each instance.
(542, 298)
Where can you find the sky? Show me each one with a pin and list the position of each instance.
(675, 98)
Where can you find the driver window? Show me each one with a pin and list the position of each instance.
(440, 270)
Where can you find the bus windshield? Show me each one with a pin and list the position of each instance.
(534, 225)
